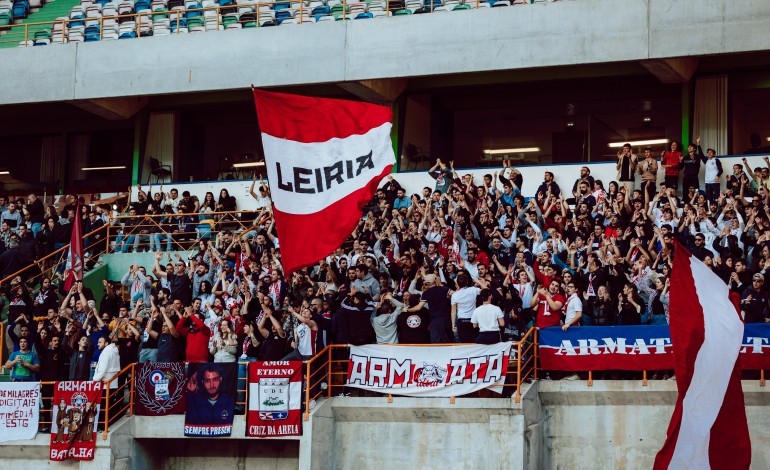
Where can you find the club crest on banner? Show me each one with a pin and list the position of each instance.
(274, 399)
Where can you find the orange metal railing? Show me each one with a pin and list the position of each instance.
(184, 231)
(326, 372)
(115, 401)
(49, 264)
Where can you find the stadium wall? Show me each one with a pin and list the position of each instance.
(523, 37)
(558, 424)
(565, 175)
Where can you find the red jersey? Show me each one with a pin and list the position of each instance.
(671, 160)
(545, 315)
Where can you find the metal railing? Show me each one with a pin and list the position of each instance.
(50, 264)
(25, 33)
(326, 372)
(177, 231)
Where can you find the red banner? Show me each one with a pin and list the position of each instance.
(275, 398)
(74, 271)
(75, 416)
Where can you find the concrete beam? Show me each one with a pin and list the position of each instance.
(677, 70)
(114, 109)
(380, 91)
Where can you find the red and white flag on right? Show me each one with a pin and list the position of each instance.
(708, 428)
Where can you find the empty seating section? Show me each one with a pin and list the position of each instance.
(126, 19)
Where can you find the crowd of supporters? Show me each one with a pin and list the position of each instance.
(465, 260)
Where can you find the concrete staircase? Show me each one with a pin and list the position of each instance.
(49, 12)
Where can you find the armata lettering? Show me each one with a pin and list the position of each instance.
(589, 347)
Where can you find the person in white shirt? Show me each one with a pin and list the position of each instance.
(109, 362)
(488, 319)
(573, 308)
(463, 304)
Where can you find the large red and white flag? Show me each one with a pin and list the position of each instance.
(74, 266)
(708, 428)
(325, 159)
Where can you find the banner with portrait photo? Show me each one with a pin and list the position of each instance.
(210, 389)
(160, 389)
(275, 399)
(75, 414)
(19, 410)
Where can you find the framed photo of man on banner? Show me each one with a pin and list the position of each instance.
(211, 391)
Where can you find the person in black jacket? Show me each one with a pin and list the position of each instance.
(80, 359)
(357, 313)
(691, 164)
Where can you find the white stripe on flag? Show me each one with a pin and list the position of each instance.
(713, 366)
(295, 395)
(320, 155)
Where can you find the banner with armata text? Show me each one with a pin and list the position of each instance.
(75, 416)
(637, 347)
(19, 410)
(428, 371)
(160, 388)
(275, 399)
(211, 388)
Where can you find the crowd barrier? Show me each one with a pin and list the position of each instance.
(642, 348)
(175, 231)
(620, 349)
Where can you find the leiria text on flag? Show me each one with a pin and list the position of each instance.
(324, 159)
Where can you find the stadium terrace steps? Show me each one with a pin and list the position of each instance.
(49, 12)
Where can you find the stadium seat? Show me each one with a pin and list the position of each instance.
(20, 9)
(110, 32)
(320, 11)
(402, 12)
(6, 17)
(91, 33)
(339, 11)
(364, 16)
(42, 38)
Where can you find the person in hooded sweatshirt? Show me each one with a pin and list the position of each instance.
(384, 319)
(357, 310)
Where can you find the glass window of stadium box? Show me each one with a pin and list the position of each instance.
(545, 122)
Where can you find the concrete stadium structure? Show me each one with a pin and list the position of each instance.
(185, 100)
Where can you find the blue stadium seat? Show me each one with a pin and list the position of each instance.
(91, 34)
(319, 11)
(364, 16)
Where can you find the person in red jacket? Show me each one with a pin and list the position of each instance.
(197, 334)
(673, 161)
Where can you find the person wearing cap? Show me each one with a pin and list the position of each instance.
(179, 281)
(436, 298)
(754, 301)
(698, 247)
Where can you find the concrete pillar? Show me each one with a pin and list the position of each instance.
(114, 109)
(380, 91)
(678, 70)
